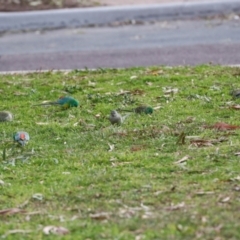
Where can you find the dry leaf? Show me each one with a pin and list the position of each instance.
(204, 193)
(184, 159)
(235, 178)
(111, 147)
(237, 153)
(55, 230)
(137, 92)
(157, 107)
(236, 107)
(225, 200)
(42, 123)
(190, 119)
(100, 216)
(37, 196)
(137, 148)
(169, 90)
(149, 83)
(116, 164)
(123, 92)
(15, 231)
(224, 126)
(176, 207)
(11, 211)
(19, 94)
(133, 77)
(201, 143)
(155, 72)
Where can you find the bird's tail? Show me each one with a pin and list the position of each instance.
(46, 104)
(125, 110)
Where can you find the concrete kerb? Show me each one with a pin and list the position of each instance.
(84, 17)
(72, 70)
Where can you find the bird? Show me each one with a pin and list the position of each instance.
(116, 118)
(6, 116)
(235, 93)
(65, 102)
(21, 137)
(141, 110)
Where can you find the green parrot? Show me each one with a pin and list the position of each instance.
(65, 102)
(21, 137)
(6, 116)
(141, 110)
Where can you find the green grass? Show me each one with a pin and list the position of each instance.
(136, 190)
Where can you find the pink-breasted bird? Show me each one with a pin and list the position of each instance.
(21, 137)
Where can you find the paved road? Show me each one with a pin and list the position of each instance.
(168, 43)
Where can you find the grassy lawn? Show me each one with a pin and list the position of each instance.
(170, 175)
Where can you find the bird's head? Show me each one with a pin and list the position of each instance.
(113, 113)
(73, 103)
(148, 110)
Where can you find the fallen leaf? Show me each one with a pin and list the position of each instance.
(224, 126)
(19, 94)
(55, 230)
(42, 123)
(137, 148)
(204, 193)
(123, 92)
(149, 83)
(111, 147)
(157, 107)
(16, 231)
(116, 164)
(11, 211)
(237, 154)
(37, 196)
(169, 90)
(201, 143)
(236, 188)
(176, 207)
(190, 119)
(137, 92)
(184, 159)
(100, 216)
(155, 72)
(225, 200)
(122, 134)
(235, 178)
(133, 77)
(236, 107)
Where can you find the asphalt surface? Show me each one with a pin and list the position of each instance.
(95, 16)
(163, 43)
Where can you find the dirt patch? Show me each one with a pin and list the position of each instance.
(29, 5)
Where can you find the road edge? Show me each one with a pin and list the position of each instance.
(98, 16)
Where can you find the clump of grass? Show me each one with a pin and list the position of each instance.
(169, 175)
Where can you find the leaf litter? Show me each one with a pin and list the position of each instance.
(57, 230)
